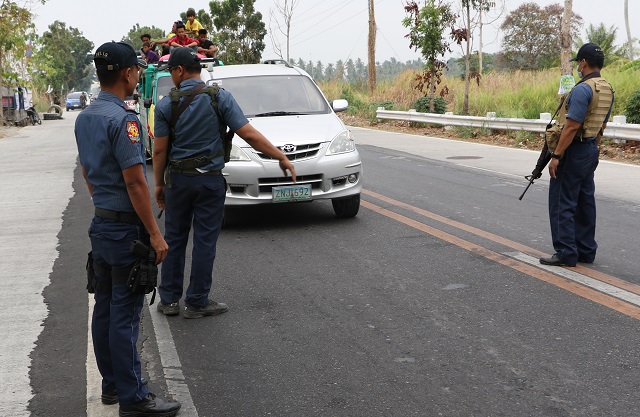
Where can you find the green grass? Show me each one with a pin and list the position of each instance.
(518, 94)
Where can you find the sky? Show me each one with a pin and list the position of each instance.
(322, 30)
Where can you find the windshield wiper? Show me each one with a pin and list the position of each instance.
(279, 113)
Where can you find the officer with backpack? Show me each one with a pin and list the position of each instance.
(572, 205)
(189, 144)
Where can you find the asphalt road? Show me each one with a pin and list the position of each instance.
(429, 303)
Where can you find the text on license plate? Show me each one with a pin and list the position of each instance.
(291, 193)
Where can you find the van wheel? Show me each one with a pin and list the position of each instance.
(346, 207)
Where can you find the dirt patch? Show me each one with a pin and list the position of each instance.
(628, 152)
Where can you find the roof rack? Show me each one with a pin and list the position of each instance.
(278, 62)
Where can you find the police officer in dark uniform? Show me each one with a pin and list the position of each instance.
(112, 157)
(572, 206)
(197, 191)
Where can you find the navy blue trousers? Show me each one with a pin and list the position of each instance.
(116, 314)
(196, 199)
(572, 204)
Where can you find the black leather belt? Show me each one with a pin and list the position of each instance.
(194, 171)
(119, 216)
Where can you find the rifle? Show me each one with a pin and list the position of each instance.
(543, 160)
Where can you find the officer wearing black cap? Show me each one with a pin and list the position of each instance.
(112, 157)
(572, 205)
(197, 188)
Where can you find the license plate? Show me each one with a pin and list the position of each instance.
(291, 193)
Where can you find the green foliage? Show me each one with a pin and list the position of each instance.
(423, 104)
(133, 36)
(15, 24)
(632, 109)
(426, 28)
(64, 58)
(241, 31)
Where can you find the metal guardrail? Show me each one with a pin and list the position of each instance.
(613, 131)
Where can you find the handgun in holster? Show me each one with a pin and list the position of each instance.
(144, 274)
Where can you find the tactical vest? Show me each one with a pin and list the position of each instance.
(596, 112)
(225, 136)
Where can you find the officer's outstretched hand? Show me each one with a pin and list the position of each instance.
(285, 164)
(160, 246)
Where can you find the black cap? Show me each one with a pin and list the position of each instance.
(591, 52)
(114, 56)
(183, 56)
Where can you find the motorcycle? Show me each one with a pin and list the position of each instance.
(33, 115)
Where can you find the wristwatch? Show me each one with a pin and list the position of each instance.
(556, 156)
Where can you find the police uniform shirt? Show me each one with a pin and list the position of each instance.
(197, 129)
(578, 102)
(109, 141)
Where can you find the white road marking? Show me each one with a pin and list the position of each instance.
(603, 287)
(171, 366)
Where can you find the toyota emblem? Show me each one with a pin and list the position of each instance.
(288, 148)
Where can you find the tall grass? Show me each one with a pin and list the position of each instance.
(519, 94)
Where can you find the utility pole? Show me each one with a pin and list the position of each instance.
(565, 39)
(372, 48)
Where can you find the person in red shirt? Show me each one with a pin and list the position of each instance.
(181, 40)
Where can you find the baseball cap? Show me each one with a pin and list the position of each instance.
(183, 56)
(114, 56)
(591, 52)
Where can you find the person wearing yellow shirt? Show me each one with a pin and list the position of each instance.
(192, 26)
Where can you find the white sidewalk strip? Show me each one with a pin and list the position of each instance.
(95, 408)
(36, 167)
(603, 287)
(171, 366)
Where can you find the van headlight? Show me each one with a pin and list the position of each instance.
(237, 154)
(342, 143)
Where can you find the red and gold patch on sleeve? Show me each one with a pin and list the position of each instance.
(133, 131)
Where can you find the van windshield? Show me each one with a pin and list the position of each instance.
(276, 95)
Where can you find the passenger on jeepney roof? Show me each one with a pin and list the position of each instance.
(181, 40)
(165, 42)
(147, 38)
(207, 47)
(148, 54)
(192, 26)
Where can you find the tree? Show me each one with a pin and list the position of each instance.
(605, 38)
(470, 19)
(240, 29)
(426, 27)
(15, 24)
(284, 10)
(65, 57)
(531, 36)
(133, 36)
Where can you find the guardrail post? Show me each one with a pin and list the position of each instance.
(545, 117)
(621, 120)
(448, 127)
(490, 115)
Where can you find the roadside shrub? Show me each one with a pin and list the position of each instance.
(632, 110)
(423, 103)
